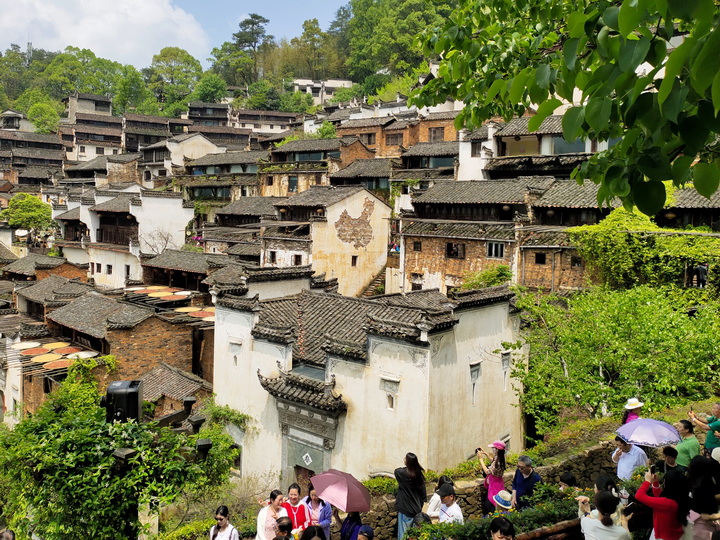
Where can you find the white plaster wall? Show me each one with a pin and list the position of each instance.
(12, 388)
(192, 148)
(237, 358)
(333, 256)
(371, 437)
(76, 255)
(277, 289)
(472, 167)
(159, 218)
(118, 259)
(492, 415)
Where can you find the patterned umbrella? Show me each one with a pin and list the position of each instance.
(648, 432)
(342, 490)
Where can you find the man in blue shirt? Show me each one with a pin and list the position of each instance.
(524, 482)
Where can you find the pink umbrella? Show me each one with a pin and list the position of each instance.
(342, 490)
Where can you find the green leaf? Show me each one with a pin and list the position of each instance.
(610, 17)
(674, 104)
(673, 66)
(629, 17)
(685, 9)
(570, 49)
(576, 24)
(494, 89)
(542, 76)
(716, 92)
(654, 164)
(706, 178)
(517, 87)
(572, 123)
(649, 197)
(704, 68)
(597, 113)
(694, 132)
(681, 169)
(633, 53)
(545, 109)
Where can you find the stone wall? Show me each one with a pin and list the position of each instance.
(586, 467)
(66, 270)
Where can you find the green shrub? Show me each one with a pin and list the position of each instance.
(381, 485)
(198, 530)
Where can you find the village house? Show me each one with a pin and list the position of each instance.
(342, 232)
(475, 149)
(299, 164)
(373, 174)
(38, 298)
(208, 114)
(239, 223)
(265, 122)
(141, 130)
(79, 102)
(335, 372)
(548, 261)
(92, 135)
(166, 387)
(163, 159)
(30, 159)
(216, 179)
(110, 229)
(368, 130)
(102, 172)
(321, 91)
(15, 120)
(231, 138)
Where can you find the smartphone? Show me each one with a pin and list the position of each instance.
(653, 469)
(629, 509)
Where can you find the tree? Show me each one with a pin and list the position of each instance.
(252, 38)
(60, 479)
(337, 42)
(33, 96)
(172, 75)
(297, 102)
(130, 90)
(79, 70)
(45, 118)
(310, 43)
(587, 355)
(25, 211)
(643, 72)
(211, 88)
(262, 95)
(233, 64)
(499, 274)
(326, 131)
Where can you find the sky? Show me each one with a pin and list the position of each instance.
(132, 31)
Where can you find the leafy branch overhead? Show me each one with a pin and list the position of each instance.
(638, 73)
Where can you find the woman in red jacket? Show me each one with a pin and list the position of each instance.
(670, 505)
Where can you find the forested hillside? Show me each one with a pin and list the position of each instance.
(371, 42)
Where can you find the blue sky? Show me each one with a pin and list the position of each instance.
(132, 31)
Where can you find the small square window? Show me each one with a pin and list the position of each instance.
(269, 181)
(127, 271)
(354, 260)
(453, 250)
(82, 149)
(436, 134)
(496, 250)
(540, 258)
(272, 256)
(98, 268)
(297, 260)
(108, 269)
(100, 150)
(576, 262)
(417, 246)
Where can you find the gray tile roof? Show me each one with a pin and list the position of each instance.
(209, 105)
(367, 168)
(552, 125)
(70, 214)
(39, 153)
(99, 118)
(336, 323)
(30, 136)
(690, 198)
(297, 388)
(96, 164)
(229, 158)
(252, 206)
(550, 238)
(118, 204)
(315, 145)
(28, 264)
(400, 125)
(448, 148)
(6, 255)
(570, 194)
(39, 171)
(54, 288)
(552, 162)
(362, 123)
(244, 249)
(445, 115)
(93, 314)
(227, 234)
(459, 229)
(342, 114)
(511, 191)
(187, 261)
(98, 130)
(321, 196)
(166, 380)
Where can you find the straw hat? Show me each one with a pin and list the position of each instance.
(633, 403)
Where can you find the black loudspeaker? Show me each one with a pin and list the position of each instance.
(123, 401)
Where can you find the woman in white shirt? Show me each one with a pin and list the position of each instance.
(222, 530)
(602, 528)
(268, 516)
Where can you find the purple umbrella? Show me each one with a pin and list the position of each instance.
(343, 490)
(648, 432)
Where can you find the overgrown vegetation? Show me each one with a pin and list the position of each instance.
(588, 353)
(60, 479)
(498, 274)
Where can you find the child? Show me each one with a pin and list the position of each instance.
(449, 510)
